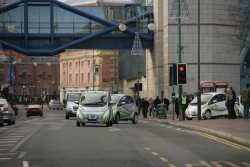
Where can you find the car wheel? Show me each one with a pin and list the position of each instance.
(27, 115)
(67, 116)
(9, 122)
(83, 124)
(189, 118)
(13, 122)
(135, 119)
(78, 124)
(117, 118)
(1, 124)
(208, 114)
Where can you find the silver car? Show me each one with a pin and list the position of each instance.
(71, 106)
(8, 114)
(94, 107)
(124, 108)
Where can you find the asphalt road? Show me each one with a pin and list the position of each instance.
(52, 141)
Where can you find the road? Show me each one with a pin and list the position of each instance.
(52, 141)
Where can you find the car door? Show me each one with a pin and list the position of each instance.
(131, 106)
(123, 107)
(218, 106)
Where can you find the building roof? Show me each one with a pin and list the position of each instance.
(98, 2)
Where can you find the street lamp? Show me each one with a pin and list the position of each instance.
(151, 26)
(122, 27)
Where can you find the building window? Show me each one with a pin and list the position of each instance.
(88, 63)
(82, 64)
(88, 77)
(64, 76)
(70, 78)
(76, 79)
(70, 65)
(82, 77)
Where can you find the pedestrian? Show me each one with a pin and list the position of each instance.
(166, 102)
(176, 104)
(139, 105)
(229, 105)
(233, 103)
(245, 100)
(151, 106)
(157, 101)
(184, 103)
(145, 105)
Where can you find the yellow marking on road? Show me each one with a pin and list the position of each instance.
(226, 142)
(246, 164)
(201, 163)
(220, 164)
(154, 153)
(163, 159)
(147, 148)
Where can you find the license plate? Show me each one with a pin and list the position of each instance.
(92, 116)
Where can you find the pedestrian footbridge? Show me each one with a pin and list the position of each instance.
(48, 27)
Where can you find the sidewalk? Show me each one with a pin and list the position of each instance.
(236, 130)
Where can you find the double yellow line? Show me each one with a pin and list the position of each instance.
(226, 142)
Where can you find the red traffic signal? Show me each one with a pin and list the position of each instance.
(182, 73)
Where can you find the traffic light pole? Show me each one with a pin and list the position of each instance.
(199, 87)
(180, 58)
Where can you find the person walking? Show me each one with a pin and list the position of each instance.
(151, 106)
(157, 101)
(233, 103)
(229, 105)
(184, 102)
(145, 108)
(245, 100)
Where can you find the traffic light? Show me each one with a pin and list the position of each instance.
(182, 73)
(138, 86)
(173, 75)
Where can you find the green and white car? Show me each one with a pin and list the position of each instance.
(94, 107)
(212, 105)
(124, 108)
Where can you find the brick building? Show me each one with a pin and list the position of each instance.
(76, 70)
(31, 76)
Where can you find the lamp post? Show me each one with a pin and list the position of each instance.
(198, 46)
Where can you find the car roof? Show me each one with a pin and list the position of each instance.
(94, 92)
(119, 95)
(3, 101)
(212, 93)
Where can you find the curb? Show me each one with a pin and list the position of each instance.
(223, 135)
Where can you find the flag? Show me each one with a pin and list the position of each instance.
(11, 74)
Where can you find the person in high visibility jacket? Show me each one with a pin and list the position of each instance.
(184, 104)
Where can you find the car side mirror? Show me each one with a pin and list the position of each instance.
(122, 103)
(76, 102)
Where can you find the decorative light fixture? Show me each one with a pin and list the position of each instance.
(122, 27)
(151, 26)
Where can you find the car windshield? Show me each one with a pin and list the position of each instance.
(204, 99)
(73, 96)
(94, 99)
(114, 99)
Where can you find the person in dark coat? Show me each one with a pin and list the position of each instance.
(145, 105)
(157, 101)
(166, 102)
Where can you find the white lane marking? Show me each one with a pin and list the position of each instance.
(163, 159)
(2, 154)
(14, 136)
(25, 164)
(8, 140)
(5, 159)
(21, 155)
(3, 149)
(23, 140)
(178, 129)
(170, 127)
(3, 142)
(154, 153)
(111, 129)
(147, 148)
(6, 145)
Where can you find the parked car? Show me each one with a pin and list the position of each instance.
(212, 105)
(71, 106)
(1, 119)
(34, 110)
(124, 108)
(55, 104)
(239, 108)
(8, 114)
(94, 107)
